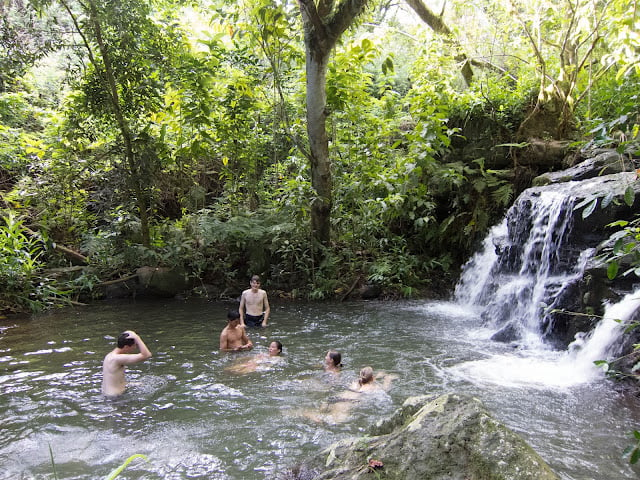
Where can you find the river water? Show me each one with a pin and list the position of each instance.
(195, 419)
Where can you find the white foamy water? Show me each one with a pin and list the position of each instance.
(552, 369)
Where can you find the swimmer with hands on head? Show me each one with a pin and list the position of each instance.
(338, 409)
(367, 383)
(113, 366)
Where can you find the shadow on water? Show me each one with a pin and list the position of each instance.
(195, 419)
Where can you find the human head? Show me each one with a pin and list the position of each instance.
(366, 375)
(233, 315)
(334, 358)
(255, 279)
(275, 348)
(124, 340)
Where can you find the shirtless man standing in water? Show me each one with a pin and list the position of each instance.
(113, 383)
(254, 305)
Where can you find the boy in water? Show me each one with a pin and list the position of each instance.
(234, 337)
(113, 366)
(254, 305)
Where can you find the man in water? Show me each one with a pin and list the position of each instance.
(113, 366)
(234, 336)
(254, 305)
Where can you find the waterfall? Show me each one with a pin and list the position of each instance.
(527, 268)
(524, 266)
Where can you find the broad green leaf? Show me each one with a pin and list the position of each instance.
(607, 200)
(612, 270)
(629, 196)
(584, 202)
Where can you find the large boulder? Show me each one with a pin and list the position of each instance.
(450, 437)
(603, 162)
(162, 281)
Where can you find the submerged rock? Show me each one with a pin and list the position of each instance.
(450, 437)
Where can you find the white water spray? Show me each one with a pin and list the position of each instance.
(546, 368)
(525, 268)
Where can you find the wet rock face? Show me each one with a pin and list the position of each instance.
(446, 437)
(547, 265)
(601, 162)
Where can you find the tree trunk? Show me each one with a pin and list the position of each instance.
(324, 23)
(438, 26)
(321, 178)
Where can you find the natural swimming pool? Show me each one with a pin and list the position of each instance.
(194, 419)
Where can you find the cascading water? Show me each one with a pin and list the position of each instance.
(525, 264)
(523, 272)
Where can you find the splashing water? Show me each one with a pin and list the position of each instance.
(515, 282)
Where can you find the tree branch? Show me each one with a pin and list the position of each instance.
(436, 24)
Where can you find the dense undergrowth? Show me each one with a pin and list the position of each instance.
(213, 178)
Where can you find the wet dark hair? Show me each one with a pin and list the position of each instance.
(256, 278)
(232, 315)
(278, 344)
(125, 340)
(336, 357)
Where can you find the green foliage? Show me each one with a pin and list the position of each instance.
(624, 249)
(25, 37)
(633, 451)
(116, 472)
(219, 178)
(23, 287)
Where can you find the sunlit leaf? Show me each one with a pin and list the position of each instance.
(603, 364)
(119, 470)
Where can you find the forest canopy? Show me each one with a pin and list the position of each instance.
(325, 145)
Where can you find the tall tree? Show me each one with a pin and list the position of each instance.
(324, 23)
(129, 55)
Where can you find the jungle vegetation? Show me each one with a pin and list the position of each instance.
(323, 144)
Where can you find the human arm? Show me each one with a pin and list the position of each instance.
(242, 307)
(224, 341)
(267, 310)
(143, 351)
(246, 343)
(386, 379)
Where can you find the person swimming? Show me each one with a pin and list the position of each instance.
(261, 361)
(333, 361)
(337, 408)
